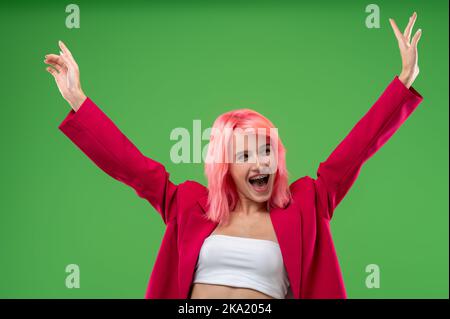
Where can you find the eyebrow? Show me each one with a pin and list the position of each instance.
(246, 151)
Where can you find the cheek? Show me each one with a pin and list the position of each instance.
(238, 173)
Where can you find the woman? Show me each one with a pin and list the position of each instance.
(248, 234)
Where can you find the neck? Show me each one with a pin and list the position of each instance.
(246, 206)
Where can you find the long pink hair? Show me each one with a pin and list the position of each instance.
(223, 196)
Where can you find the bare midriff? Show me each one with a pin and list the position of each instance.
(209, 291)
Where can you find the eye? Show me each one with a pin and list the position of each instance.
(243, 157)
(267, 149)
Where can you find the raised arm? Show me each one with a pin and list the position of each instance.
(336, 175)
(100, 139)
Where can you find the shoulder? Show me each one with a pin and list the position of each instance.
(304, 183)
(194, 188)
(191, 196)
(303, 191)
(191, 191)
(304, 197)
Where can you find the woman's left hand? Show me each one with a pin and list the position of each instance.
(408, 51)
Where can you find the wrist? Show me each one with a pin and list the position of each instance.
(77, 99)
(406, 78)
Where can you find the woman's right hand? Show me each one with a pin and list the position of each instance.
(67, 76)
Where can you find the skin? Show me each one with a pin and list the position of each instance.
(251, 160)
(250, 217)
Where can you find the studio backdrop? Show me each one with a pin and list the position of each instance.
(158, 68)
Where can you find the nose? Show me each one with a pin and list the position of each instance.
(258, 163)
(261, 161)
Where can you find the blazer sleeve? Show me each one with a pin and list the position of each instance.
(336, 175)
(100, 139)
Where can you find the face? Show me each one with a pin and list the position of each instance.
(254, 166)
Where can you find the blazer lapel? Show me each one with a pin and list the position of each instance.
(198, 228)
(288, 230)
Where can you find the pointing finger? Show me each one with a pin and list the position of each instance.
(397, 32)
(407, 33)
(67, 54)
(65, 60)
(64, 48)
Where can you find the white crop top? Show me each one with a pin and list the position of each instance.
(242, 262)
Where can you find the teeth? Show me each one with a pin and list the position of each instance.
(259, 177)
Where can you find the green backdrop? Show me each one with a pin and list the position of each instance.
(313, 68)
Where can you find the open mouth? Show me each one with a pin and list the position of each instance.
(259, 182)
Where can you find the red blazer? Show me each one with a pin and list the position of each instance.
(302, 228)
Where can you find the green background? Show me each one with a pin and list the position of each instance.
(313, 68)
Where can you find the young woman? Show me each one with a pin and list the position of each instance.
(248, 234)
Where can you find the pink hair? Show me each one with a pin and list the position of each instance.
(223, 197)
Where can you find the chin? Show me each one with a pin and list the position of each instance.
(259, 199)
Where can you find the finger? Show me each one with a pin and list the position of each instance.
(416, 37)
(67, 53)
(58, 67)
(64, 48)
(55, 59)
(65, 60)
(52, 71)
(397, 32)
(407, 33)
